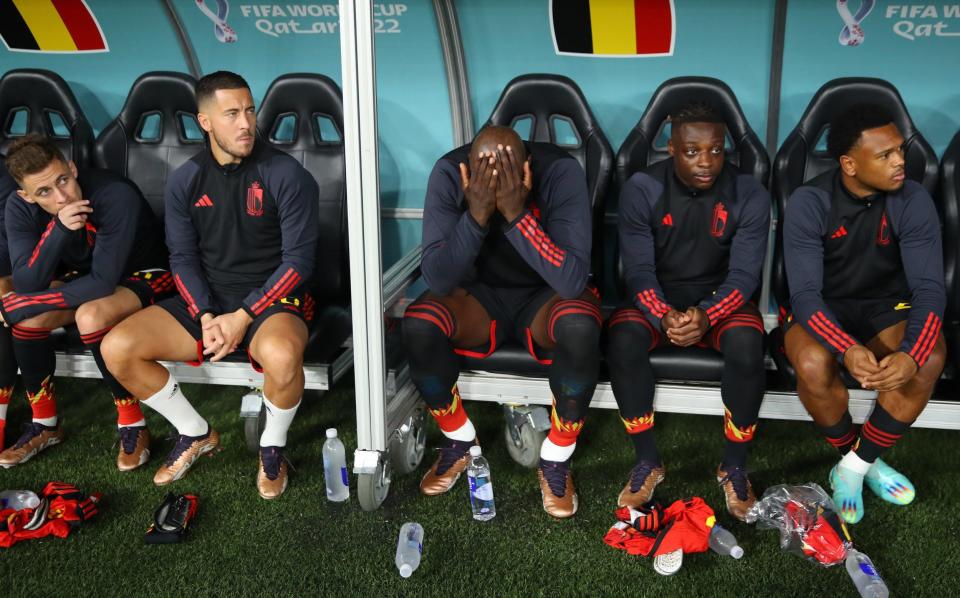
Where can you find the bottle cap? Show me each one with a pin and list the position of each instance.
(406, 570)
(736, 552)
(331, 432)
(475, 451)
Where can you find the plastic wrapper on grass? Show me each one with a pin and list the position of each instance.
(808, 522)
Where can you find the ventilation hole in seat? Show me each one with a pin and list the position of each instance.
(58, 126)
(17, 122)
(284, 129)
(329, 132)
(564, 132)
(523, 125)
(150, 128)
(662, 136)
(820, 147)
(189, 127)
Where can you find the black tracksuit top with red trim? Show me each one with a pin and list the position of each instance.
(241, 235)
(548, 244)
(122, 236)
(885, 246)
(8, 187)
(682, 247)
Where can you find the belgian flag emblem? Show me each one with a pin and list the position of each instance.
(613, 27)
(66, 26)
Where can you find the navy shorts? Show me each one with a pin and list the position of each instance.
(864, 318)
(511, 311)
(299, 304)
(150, 286)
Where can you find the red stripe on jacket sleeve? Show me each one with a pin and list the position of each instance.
(192, 308)
(43, 238)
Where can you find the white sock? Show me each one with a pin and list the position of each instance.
(854, 463)
(140, 422)
(554, 452)
(171, 404)
(278, 422)
(47, 421)
(464, 433)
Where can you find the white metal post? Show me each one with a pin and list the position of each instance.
(363, 224)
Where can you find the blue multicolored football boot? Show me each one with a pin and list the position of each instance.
(847, 493)
(889, 484)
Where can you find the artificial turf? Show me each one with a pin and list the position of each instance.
(302, 545)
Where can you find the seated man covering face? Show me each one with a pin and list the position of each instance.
(8, 363)
(242, 225)
(865, 268)
(86, 249)
(693, 235)
(506, 254)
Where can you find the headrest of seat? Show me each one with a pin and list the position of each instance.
(46, 98)
(305, 96)
(543, 98)
(551, 102)
(155, 132)
(169, 94)
(799, 160)
(639, 149)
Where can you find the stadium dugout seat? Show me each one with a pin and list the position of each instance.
(556, 111)
(646, 145)
(155, 132)
(302, 114)
(803, 156)
(40, 101)
(949, 205)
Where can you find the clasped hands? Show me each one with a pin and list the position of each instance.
(223, 334)
(685, 328)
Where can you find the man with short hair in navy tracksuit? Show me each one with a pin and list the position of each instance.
(85, 248)
(865, 267)
(242, 226)
(693, 235)
(506, 254)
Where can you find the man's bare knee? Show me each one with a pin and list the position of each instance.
(816, 368)
(281, 358)
(119, 348)
(92, 317)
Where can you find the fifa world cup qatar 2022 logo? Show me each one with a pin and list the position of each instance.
(852, 33)
(223, 32)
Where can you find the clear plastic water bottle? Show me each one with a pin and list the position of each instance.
(865, 576)
(335, 468)
(481, 487)
(18, 499)
(724, 543)
(409, 548)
